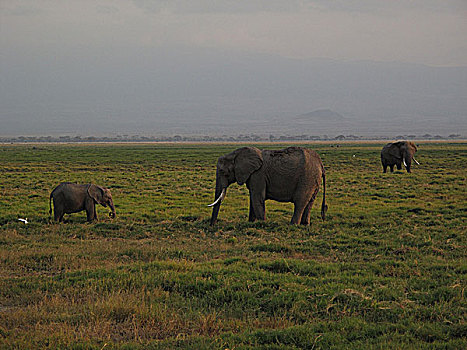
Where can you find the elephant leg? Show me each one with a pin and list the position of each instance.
(58, 214)
(306, 213)
(257, 207)
(251, 216)
(91, 212)
(384, 164)
(391, 167)
(299, 207)
(399, 166)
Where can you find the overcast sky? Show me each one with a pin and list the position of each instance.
(431, 32)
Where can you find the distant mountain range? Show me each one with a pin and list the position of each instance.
(152, 91)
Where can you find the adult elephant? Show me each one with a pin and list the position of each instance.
(72, 198)
(398, 153)
(290, 175)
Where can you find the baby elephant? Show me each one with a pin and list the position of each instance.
(71, 198)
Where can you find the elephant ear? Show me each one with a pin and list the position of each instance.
(96, 193)
(396, 149)
(247, 161)
(412, 146)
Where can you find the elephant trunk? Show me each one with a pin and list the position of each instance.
(216, 205)
(112, 212)
(407, 160)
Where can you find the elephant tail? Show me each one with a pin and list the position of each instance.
(50, 203)
(324, 206)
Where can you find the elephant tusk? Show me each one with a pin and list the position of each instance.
(221, 198)
(404, 162)
(416, 161)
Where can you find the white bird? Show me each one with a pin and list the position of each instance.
(23, 220)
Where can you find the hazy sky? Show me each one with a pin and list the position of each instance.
(432, 32)
(97, 66)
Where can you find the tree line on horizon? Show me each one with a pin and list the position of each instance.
(223, 138)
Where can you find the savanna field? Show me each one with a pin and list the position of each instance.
(387, 269)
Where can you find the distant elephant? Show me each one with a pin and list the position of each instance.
(71, 198)
(398, 153)
(290, 175)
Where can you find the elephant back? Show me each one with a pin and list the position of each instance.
(291, 161)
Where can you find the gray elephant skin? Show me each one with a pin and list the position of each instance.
(72, 198)
(398, 153)
(293, 174)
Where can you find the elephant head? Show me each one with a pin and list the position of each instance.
(103, 197)
(407, 151)
(236, 166)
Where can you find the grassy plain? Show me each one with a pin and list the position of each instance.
(386, 270)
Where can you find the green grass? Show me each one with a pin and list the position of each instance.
(386, 270)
